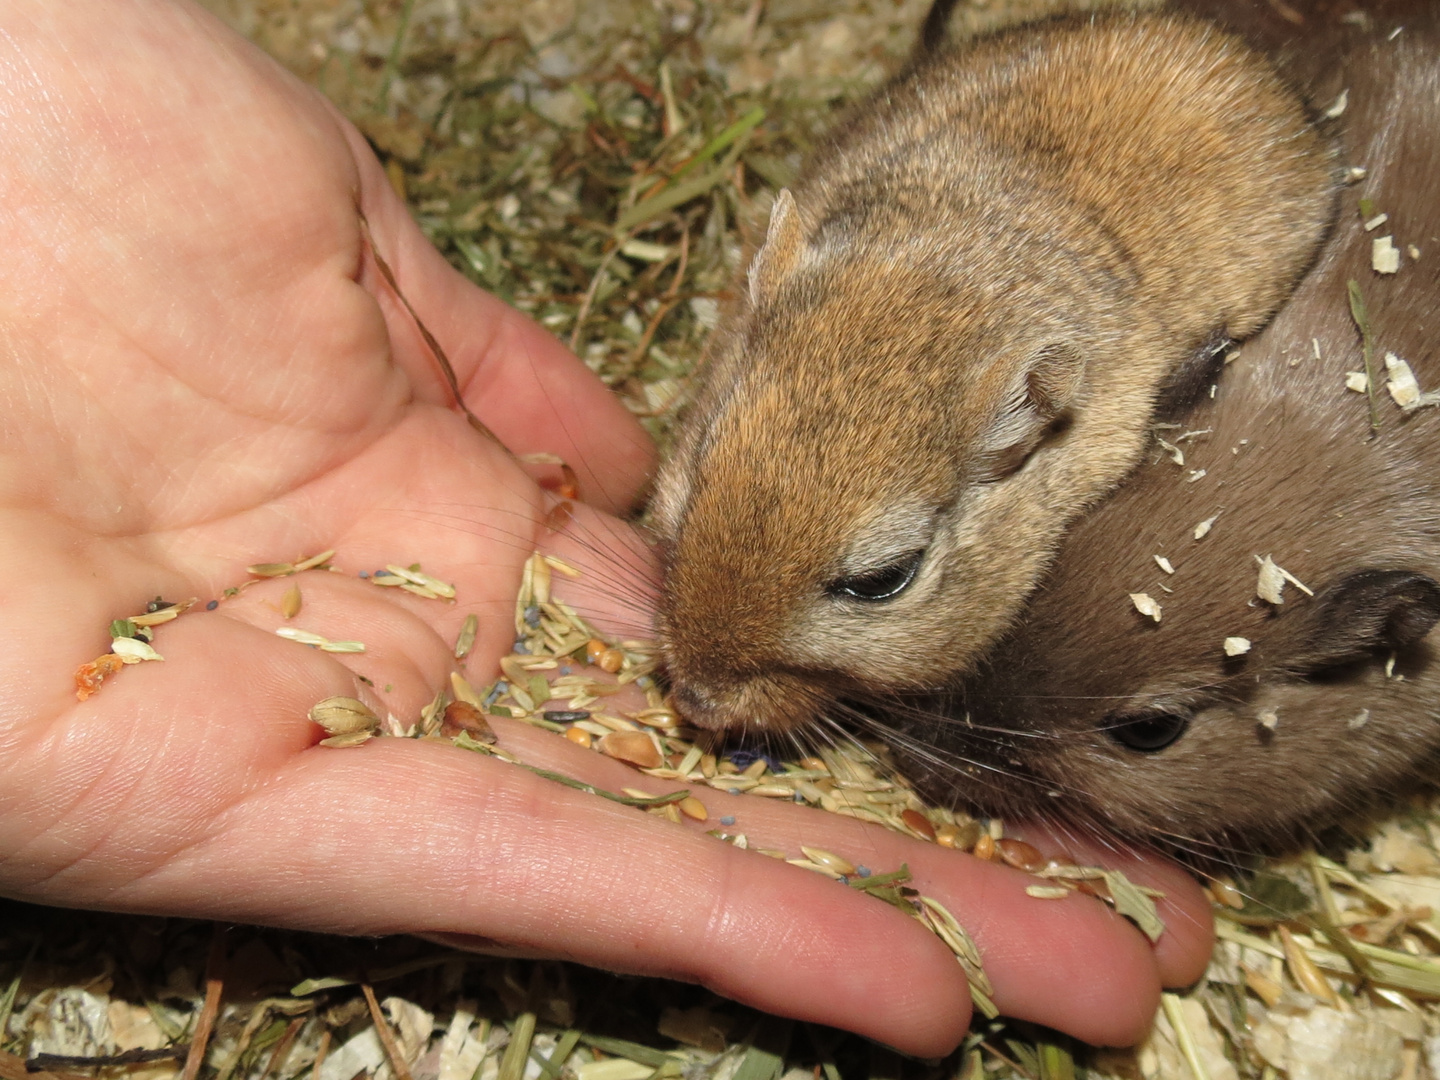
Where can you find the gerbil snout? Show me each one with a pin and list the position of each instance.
(768, 701)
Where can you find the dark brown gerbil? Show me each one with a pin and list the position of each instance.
(952, 341)
(1090, 710)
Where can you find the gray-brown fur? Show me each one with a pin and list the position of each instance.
(953, 340)
(1293, 472)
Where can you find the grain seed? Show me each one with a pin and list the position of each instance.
(466, 639)
(414, 576)
(1020, 855)
(290, 602)
(1224, 890)
(463, 716)
(1307, 976)
(163, 614)
(634, 747)
(557, 563)
(579, 736)
(919, 823)
(1048, 892)
(342, 715)
(463, 691)
(693, 808)
(541, 581)
(984, 847)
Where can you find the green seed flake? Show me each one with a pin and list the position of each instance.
(1134, 904)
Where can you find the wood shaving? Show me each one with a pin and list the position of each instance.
(1404, 388)
(1146, 605)
(1384, 255)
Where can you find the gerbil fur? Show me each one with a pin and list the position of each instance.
(1337, 700)
(952, 341)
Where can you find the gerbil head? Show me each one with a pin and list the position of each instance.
(1201, 750)
(836, 513)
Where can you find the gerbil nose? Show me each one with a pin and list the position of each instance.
(697, 707)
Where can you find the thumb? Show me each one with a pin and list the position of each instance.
(534, 394)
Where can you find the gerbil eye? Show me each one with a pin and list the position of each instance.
(882, 583)
(1148, 733)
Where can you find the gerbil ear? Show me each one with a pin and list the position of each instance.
(780, 254)
(1367, 612)
(1040, 395)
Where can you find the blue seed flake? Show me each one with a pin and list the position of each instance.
(212, 605)
(532, 615)
(728, 819)
(863, 871)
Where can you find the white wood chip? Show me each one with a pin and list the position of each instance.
(1195, 474)
(1146, 605)
(1376, 221)
(1359, 720)
(1404, 387)
(1236, 646)
(1269, 719)
(1384, 255)
(1337, 107)
(1203, 529)
(1357, 381)
(1164, 564)
(1271, 583)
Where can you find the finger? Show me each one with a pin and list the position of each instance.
(1071, 964)
(228, 812)
(1183, 951)
(532, 392)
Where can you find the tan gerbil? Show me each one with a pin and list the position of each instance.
(952, 341)
(1090, 710)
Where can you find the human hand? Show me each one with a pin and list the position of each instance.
(202, 371)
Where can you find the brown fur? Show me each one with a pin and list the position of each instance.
(1293, 473)
(953, 341)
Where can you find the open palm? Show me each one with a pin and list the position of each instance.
(201, 370)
